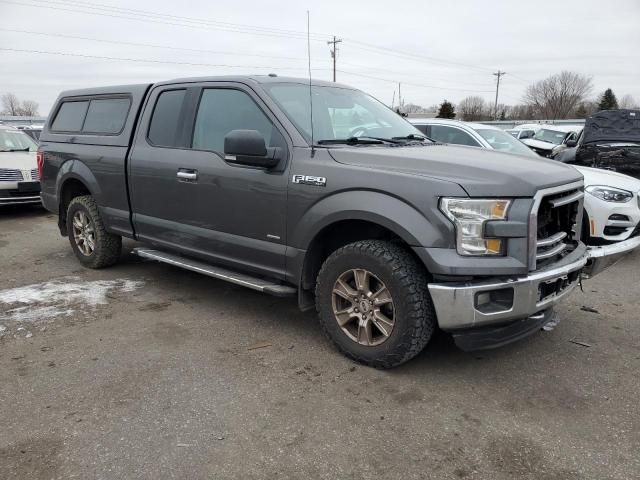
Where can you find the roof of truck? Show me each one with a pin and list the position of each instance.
(271, 78)
(257, 79)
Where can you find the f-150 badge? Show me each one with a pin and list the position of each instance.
(310, 180)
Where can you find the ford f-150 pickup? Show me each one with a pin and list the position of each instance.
(317, 190)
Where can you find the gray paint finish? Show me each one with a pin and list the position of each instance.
(258, 220)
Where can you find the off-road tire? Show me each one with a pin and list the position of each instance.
(406, 280)
(107, 245)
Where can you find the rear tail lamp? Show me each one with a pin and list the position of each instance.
(40, 160)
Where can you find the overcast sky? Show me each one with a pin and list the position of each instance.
(437, 49)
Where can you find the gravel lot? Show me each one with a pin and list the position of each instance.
(147, 371)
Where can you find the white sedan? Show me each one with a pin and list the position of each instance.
(611, 201)
(19, 180)
(612, 205)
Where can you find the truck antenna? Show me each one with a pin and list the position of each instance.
(310, 91)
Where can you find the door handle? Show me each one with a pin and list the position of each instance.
(187, 175)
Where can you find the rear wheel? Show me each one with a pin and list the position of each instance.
(92, 244)
(374, 304)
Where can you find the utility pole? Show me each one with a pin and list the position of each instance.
(399, 96)
(497, 74)
(334, 53)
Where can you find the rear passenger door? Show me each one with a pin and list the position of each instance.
(185, 196)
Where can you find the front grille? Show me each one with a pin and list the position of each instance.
(556, 231)
(34, 174)
(9, 175)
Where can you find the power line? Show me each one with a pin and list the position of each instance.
(160, 21)
(334, 53)
(149, 45)
(411, 83)
(148, 60)
(190, 22)
(118, 42)
(388, 51)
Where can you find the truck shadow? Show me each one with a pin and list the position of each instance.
(253, 311)
(12, 212)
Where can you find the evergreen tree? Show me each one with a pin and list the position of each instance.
(581, 111)
(446, 110)
(608, 101)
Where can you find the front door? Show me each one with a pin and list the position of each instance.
(187, 197)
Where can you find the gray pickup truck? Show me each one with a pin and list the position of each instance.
(344, 204)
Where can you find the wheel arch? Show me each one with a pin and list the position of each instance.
(379, 217)
(73, 181)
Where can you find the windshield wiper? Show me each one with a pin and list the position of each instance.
(364, 140)
(412, 136)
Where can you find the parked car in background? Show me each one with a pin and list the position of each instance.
(610, 140)
(551, 138)
(32, 130)
(470, 134)
(527, 130)
(19, 181)
(612, 206)
(612, 200)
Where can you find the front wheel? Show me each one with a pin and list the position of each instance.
(92, 244)
(374, 304)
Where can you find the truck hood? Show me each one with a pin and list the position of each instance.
(480, 172)
(539, 144)
(598, 176)
(18, 160)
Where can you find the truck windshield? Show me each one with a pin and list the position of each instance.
(15, 140)
(340, 114)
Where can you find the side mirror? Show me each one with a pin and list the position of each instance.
(247, 147)
(571, 143)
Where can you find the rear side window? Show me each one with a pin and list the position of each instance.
(165, 126)
(106, 116)
(70, 117)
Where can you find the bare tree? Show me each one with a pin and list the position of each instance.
(471, 108)
(29, 108)
(627, 101)
(10, 104)
(556, 96)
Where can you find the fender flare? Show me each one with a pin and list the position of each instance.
(74, 169)
(376, 207)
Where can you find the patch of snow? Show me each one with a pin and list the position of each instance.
(59, 297)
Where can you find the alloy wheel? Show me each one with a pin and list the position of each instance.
(363, 307)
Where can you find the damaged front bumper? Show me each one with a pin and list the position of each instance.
(602, 257)
(505, 308)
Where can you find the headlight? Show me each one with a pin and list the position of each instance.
(609, 194)
(469, 215)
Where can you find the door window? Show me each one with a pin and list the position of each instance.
(222, 110)
(447, 134)
(164, 129)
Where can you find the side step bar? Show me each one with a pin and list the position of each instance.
(242, 279)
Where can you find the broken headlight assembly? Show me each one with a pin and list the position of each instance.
(609, 194)
(469, 216)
